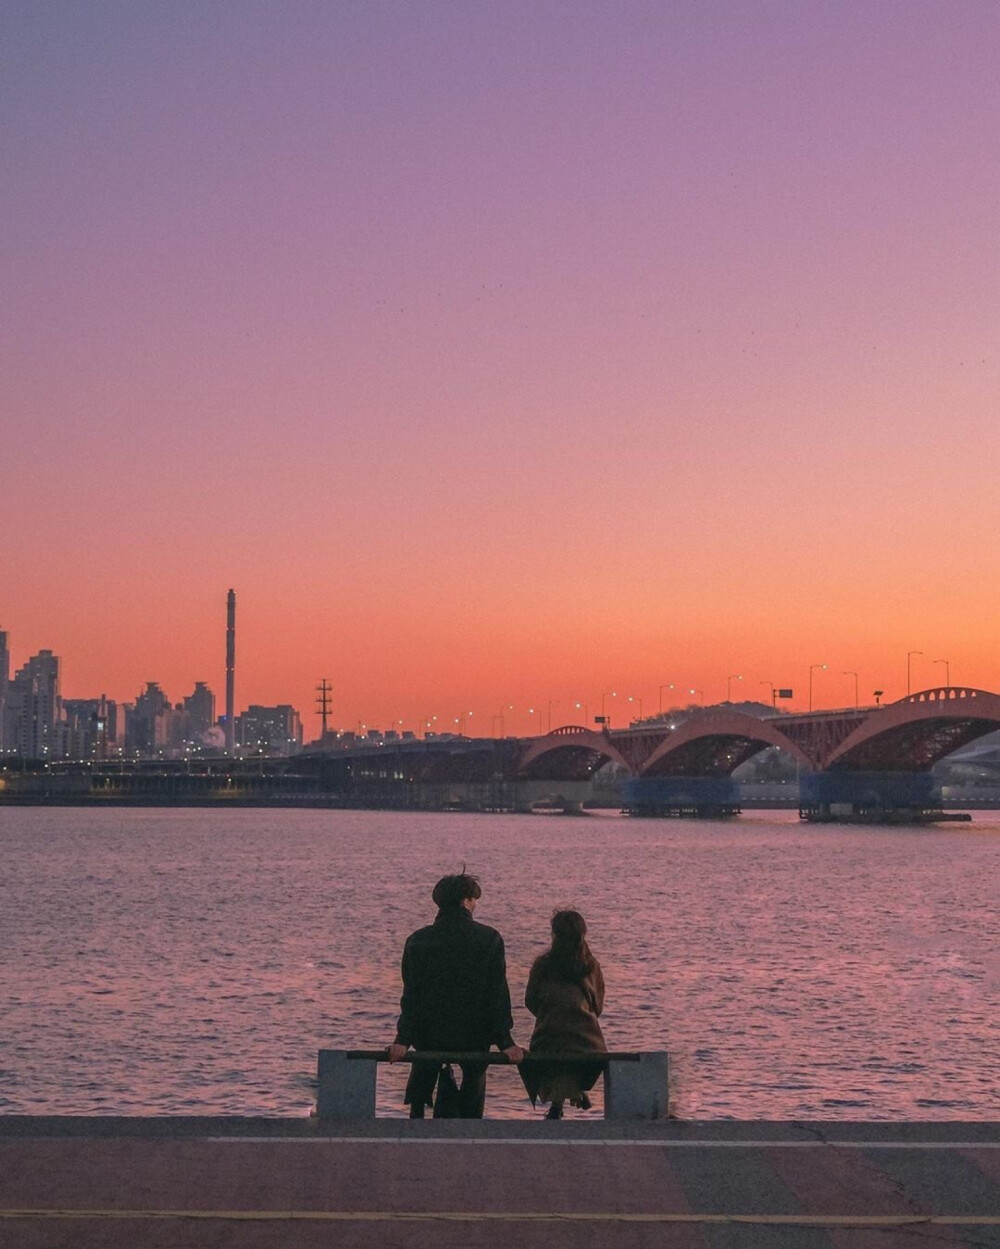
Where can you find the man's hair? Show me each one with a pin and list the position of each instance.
(452, 891)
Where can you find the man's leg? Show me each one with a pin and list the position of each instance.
(446, 1102)
(420, 1088)
(472, 1095)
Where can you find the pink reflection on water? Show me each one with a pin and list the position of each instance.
(193, 961)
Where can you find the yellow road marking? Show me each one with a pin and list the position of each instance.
(559, 1141)
(496, 1216)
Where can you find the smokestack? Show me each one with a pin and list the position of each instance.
(230, 672)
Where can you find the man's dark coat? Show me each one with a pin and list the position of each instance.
(455, 994)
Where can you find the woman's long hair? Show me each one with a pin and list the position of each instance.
(569, 956)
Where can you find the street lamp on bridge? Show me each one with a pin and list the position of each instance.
(855, 676)
(729, 687)
(636, 699)
(665, 686)
(814, 668)
(700, 694)
(609, 694)
(774, 697)
(947, 670)
(586, 712)
(909, 656)
(553, 702)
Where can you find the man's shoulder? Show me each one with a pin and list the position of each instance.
(486, 933)
(421, 935)
(471, 930)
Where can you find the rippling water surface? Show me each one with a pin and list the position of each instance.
(193, 961)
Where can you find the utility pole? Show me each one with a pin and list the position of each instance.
(323, 703)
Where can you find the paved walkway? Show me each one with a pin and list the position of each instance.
(259, 1183)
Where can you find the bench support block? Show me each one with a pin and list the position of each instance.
(637, 1090)
(346, 1088)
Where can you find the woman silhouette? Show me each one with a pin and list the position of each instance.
(565, 993)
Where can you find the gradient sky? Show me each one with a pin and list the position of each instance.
(501, 352)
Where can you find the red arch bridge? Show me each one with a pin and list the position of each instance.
(867, 762)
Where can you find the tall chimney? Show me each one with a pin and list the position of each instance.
(230, 672)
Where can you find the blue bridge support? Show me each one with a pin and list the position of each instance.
(880, 797)
(711, 797)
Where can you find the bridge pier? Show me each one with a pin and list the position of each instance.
(870, 797)
(705, 797)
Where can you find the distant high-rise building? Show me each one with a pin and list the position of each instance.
(4, 681)
(230, 672)
(33, 709)
(200, 709)
(148, 724)
(269, 730)
(91, 727)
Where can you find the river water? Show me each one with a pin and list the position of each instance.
(176, 961)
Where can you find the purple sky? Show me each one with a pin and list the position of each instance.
(500, 351)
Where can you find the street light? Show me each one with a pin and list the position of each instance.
(855, 676)
(664, 686)
(729, 687)
(701, 695)
(636, 699)
(609, 694)
(774, 697)
(909, 656)
(553, 702)
(947, 670)
(813, 668)
(586, 712)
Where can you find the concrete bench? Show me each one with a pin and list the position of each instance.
(635, 1084)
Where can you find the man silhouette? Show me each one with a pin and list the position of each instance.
(455, 997)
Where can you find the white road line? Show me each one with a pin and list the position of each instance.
(497, 1216)
(507, 1141)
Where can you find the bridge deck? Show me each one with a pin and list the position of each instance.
(83, 1183)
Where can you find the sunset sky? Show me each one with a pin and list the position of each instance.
(500, 353)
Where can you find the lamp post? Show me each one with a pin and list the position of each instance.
(636, 699)
(729, 687)
(774, 700)
(947, 670)
(813, 668)
(855, 676)
(553, 702)
(909, 656)
(665, 686)
(700, 694)
(586, 712)
(609, 694)
(877, 694)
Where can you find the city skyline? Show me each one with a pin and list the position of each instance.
(500, 354)
(620, 705)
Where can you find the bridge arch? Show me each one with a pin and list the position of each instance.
(716, 743)
(570, 753)
(913, 734)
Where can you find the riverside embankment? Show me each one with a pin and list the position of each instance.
(257, 1183)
